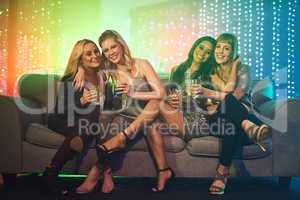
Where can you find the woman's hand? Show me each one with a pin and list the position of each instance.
(173, 99)
(88, 96)
(124, 88)
(78, 81)
(236, 63)
(196, 90)
(230, 85)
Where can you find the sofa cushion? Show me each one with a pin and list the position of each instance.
(209, 146)
(40, 135)
(172, 144)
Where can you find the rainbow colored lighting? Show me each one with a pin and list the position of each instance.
(161, 31)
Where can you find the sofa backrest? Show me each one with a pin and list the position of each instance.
(41, 88)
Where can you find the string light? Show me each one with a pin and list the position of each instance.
(164, 35)
(3, 50)
(290, 49)
(259, 40)
(276, 43)
(244, 44)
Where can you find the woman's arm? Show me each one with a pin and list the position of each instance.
(79, 78)
(218, 95)
(243, 82)
(241, 86)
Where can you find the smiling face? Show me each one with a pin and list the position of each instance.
(113, 51)
(223, 52)
(91, 56)
(202, 52)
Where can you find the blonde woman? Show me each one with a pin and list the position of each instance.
(72, 108)
(138, 82)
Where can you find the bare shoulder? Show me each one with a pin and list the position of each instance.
(143, 65)
(141, 62)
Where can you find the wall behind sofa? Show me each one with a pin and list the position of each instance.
(37, 36)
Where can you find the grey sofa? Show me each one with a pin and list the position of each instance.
(27, 145)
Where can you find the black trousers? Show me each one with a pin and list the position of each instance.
(228, 118)
(65, 152)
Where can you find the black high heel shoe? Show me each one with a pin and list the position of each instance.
(167, 183)
(103, 152)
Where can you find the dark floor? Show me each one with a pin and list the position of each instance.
(139, 188)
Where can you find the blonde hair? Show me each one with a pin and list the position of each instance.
(75, 57)
(118, 38)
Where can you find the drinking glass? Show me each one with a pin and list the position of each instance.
(119, 93)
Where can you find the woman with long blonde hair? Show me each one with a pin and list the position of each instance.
(75, 106)
(144, 93)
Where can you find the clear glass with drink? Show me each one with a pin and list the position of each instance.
(195, 86)
(94, 90)
(118, 92)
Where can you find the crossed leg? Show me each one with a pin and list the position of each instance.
(152, 110)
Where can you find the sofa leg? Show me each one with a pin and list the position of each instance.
(284, 182)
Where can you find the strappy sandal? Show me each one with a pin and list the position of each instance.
(217, 190)
(127, 139)
(258, 133)
(167, 183)
(103, 152)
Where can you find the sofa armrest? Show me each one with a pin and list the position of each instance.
(14, 122)
(284, 118)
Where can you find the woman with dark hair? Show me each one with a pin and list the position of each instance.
(194, 64)
(230, 82)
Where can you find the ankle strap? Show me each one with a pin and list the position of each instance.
(165, 169)
(126, 136)
(102, 146)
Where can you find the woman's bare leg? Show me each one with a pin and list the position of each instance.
(92, 178)
(152, 110)
(108, 183)
(90, 181)
(156, 144)
(148, 114)
(174, 118)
